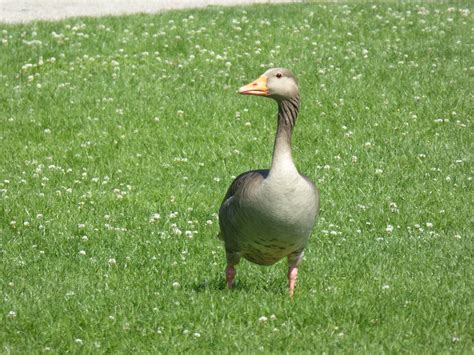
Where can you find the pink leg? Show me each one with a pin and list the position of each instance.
(229, 275)
(292, 276)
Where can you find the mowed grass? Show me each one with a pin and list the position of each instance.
(119, 137)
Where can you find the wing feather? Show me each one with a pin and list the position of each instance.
(243, 181)
(237, 190)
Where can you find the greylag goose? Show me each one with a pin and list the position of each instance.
(267, 215)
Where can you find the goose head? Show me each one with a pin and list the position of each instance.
(277, 83)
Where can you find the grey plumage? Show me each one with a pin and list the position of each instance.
(269, 214)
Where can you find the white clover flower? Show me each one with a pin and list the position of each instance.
(11, 314)
(423, 11)
(175, 229)
(112, 261)
(154, 217)
(197, 335)
(389, 228)
(27, 66)
(393, 207)
(262, 319)
(176, 285)
(82, 252)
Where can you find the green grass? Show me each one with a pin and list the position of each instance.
(139, 115)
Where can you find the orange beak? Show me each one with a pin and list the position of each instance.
(257, 87)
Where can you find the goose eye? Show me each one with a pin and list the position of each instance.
(278, 75)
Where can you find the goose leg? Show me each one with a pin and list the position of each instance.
(232, 260)
(229, 275)
(292, 276)
(293, 262)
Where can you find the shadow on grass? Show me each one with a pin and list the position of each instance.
(214, 284)
(217, 283)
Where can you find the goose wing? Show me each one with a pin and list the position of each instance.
(243, 182)
(237, 192)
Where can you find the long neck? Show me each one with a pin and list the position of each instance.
(287, 114)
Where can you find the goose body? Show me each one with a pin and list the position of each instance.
(267, 215)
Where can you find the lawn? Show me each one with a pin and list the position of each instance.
(119, 137)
